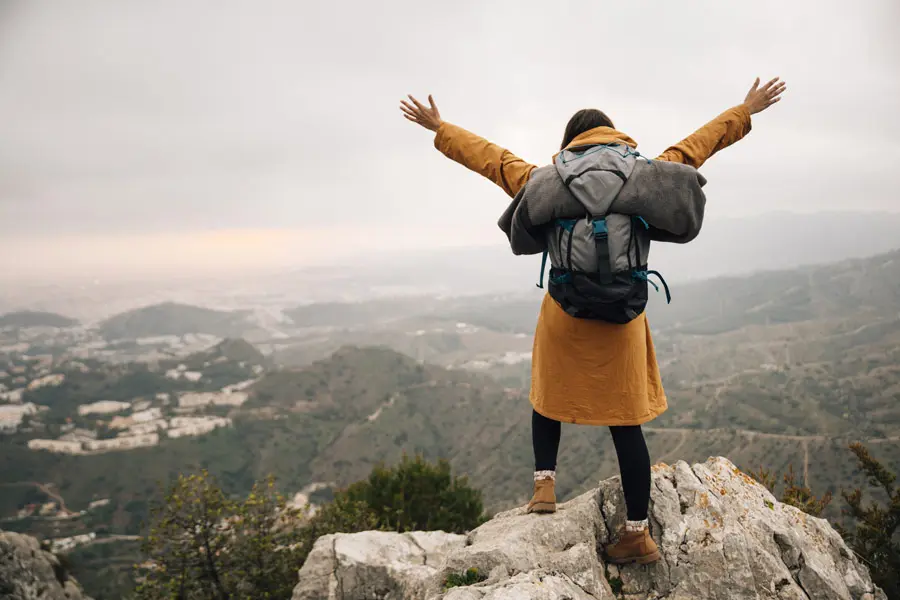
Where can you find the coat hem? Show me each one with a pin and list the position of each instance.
(605, 422)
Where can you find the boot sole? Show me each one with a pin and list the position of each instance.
(542, 508)
(641, 560)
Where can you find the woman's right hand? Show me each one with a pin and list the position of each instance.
(760, 98)
(426, 116)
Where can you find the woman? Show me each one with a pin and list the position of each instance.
(586, 371)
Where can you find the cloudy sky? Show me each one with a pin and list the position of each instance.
(181, 134)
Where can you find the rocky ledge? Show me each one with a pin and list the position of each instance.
(29, 573)
(721, 534)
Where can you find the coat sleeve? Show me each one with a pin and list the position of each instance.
(724, 130)
(490, 160)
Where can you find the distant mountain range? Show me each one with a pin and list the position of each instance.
(171, 318)
(725, 247)
(26, 318)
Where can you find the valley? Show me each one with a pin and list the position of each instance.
(776, 370)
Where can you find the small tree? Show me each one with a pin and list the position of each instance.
(419, 495)
(185, 542)
(876, 526)
(799, 496)
(263, 558)
(203, 546)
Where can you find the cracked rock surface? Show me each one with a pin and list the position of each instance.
(721, 536)
(29, 573)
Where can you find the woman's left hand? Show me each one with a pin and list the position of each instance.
(426, 116)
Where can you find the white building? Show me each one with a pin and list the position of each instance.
(11, 415)
(237, 387)
(14, 396)
(144, 416)
(53, 380)
(104, 407)
(120, 422)
(78, 435)
(98, 503)
(188, 426)
(66, 544)
(192, 375)
(197, 399)
(147, 427)
(56, 446)
(122, 443)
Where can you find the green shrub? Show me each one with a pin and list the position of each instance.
(470, 577)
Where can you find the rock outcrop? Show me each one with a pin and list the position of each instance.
(721, 534)
(29, 573)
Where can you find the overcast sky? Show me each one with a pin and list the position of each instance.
(155, 134)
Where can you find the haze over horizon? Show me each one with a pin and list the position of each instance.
(189, 136)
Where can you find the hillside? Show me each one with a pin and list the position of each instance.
(27, 318)
(173, 319)
(774, 369)
(777, 369)
(870, 285)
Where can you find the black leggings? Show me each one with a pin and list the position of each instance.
(631, 450)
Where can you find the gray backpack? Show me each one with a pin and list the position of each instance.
(599, 261)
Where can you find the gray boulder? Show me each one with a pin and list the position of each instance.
(721, 534)
(29, 573)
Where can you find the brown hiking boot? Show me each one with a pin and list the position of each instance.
(633, 547)
(544, 498)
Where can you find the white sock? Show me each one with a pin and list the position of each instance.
(637, 525)
(538, 475)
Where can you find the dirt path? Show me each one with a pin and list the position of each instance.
(674, 451)
(44, 488)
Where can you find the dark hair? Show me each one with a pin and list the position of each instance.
(584, 120)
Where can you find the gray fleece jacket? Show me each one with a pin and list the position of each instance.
(611, 182)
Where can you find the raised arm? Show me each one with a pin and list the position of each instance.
(472, 151)
(726, 129)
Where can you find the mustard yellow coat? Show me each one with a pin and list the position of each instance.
(584, 371)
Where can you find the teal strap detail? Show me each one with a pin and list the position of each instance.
(540, 282)
(645, 275)
(636, 154)
(600, 227)
(644, 222)
(567, 224)
(564, 278)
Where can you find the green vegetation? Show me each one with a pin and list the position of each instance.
(794, 494)
(874, 528)
(877, 524)
(416, 495)
(203, 545)
(105, 569)
(470, 577)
